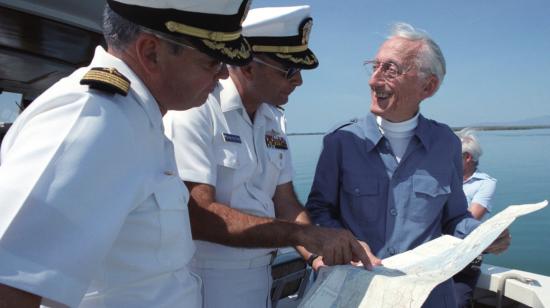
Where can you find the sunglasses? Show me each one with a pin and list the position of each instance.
(218, 65)
(289, 73)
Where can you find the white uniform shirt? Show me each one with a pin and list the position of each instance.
(217, 144)
(90, 200)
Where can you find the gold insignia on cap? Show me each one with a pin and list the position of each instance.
(177, 27)
(242, 53)
(106, 79)
(281, 49)
(307, 60)
(306, 30)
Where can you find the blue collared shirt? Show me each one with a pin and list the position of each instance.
(480, 188)
(393, 207)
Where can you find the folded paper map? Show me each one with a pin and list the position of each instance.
(406, 280)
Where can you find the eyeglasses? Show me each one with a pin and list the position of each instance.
(216, 66)
(289, 73)
(390, 70)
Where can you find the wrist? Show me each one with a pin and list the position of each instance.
(311, 259)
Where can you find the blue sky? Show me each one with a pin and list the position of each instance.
(497, 52)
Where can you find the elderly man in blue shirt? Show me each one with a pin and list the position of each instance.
(393, 177)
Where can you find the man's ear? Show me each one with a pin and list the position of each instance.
(430, 86)
(148, 49)
(467, 157)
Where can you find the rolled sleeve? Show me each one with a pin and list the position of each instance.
(67, 183)
(191, 132)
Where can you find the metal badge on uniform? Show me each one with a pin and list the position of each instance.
(231, 138)
(275, 140)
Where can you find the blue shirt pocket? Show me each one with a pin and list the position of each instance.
(362, 195)
(430, 192)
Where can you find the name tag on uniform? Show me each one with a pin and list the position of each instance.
(274, 140)
(231, 138)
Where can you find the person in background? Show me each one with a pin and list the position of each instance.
(479, 189)
(234, 156)
(393, 177)
(92, 212)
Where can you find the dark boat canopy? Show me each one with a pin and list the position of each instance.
(43, 41)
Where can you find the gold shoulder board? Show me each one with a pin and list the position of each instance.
(106, 79)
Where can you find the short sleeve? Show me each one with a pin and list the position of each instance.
(191, 132)
(485, 193)
(287, 173)
(68, 180)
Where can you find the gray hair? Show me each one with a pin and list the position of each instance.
(430, 58)
(470, 144)
(119, 32)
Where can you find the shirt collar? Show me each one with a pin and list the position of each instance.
(422, 131)
(372, 132)
(267, 111)
(138, 90)
(402, 128)
(478, 175)
(230, 99)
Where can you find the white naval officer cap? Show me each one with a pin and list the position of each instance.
(212, 26)
(282, 33)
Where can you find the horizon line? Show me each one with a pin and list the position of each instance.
(458, 128)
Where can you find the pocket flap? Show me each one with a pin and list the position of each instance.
(430, 185)
(227, 157)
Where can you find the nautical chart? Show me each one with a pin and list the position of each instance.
(406, 280)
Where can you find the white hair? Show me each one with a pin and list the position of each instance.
(469, 143)
(430, 58)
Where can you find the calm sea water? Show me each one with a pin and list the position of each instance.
(519, 160)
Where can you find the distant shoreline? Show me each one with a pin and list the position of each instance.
(478, 128)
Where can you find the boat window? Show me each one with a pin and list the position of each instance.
(10, 106)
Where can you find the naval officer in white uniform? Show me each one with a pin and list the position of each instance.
(92, 211)
(233, 154)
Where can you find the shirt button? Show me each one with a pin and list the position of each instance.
(169, 172)
(393, 212)
(356, 191)
(392, 251)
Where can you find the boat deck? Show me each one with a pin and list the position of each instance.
(529, 289)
